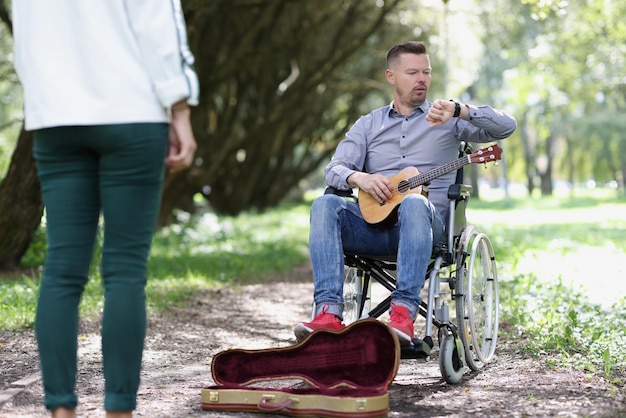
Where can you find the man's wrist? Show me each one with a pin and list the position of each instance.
(351, 179)
(466, 116)
(457, 109)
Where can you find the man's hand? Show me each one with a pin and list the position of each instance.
(377, 185)
(440, 112)
(182, 142)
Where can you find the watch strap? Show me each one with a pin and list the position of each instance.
(457, 109)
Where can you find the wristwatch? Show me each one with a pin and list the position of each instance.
(457, 109)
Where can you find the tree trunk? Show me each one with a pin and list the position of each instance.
(278, 91)
(21, 205)
(545, 173)
(529, 154)
(546, 182)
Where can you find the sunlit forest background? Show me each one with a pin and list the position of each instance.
(283, 80)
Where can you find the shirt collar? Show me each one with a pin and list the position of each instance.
(423, 108)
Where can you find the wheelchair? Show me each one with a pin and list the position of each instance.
(467, 264)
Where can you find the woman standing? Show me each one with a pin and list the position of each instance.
(107, 84)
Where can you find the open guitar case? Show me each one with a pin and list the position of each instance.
(343, 373)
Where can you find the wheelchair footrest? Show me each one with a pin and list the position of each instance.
(417, 349)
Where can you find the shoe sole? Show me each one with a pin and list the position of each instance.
(404, 338)
(301, 331)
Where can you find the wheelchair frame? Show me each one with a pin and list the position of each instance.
(467, 264)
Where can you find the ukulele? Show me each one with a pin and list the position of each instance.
(410, 180)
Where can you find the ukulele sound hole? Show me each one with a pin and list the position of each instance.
(403, 186)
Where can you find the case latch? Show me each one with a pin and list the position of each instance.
(361, 404)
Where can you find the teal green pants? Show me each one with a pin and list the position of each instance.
(86, 171)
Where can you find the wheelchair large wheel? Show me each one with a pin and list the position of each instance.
(353, 294)
(450, 358)
(477, 299)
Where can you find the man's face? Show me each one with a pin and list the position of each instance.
(410, 76)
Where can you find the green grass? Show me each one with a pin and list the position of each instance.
(561, 263)
(197, 253)
(211, 251)
(553, 321)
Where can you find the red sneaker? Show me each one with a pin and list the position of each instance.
(323, 320)
(402, 323)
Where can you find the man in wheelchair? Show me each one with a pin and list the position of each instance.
(408, 135)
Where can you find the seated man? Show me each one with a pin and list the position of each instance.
(411, 131)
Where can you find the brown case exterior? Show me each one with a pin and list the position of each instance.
(348, 373)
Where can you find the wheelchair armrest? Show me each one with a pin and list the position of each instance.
(339, 192)
(458, 192)
(458, 195)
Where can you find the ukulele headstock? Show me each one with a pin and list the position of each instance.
(492, 153)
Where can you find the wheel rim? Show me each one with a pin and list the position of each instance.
(482, 305)
(477, 300)
(352, 291)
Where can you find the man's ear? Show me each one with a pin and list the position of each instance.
(389, 76)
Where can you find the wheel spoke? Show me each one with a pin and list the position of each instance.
(477, 302)
(352, 293)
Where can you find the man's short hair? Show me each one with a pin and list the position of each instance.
(409, 47)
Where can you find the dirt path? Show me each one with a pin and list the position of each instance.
(180, 346)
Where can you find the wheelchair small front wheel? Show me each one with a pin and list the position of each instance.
(451, 358)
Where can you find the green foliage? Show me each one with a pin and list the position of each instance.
(18, 298)
(542, 309)
(207, 250)
(554, 319)
(36, 253)
(560, 65)
(226, 248)
(203, 251)
(557, 260)
(280, 88)
(10, 101)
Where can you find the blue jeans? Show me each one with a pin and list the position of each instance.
(337, 226)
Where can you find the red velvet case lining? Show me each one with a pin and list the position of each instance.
(363, 356)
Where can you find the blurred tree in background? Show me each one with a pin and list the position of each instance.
(21, 204)
(560, 66)
(282, 81)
